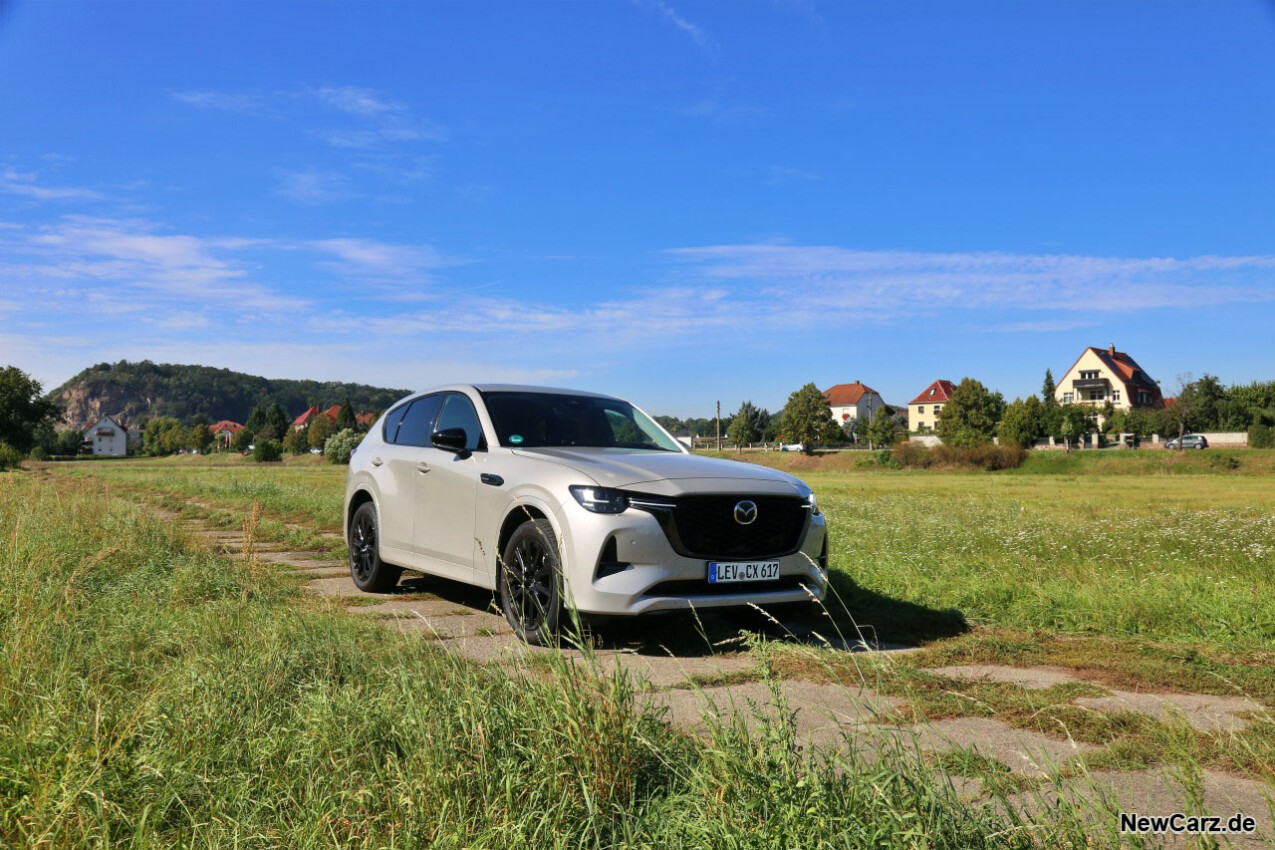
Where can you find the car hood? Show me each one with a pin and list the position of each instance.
(612, 468)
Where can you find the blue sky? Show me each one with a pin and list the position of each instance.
(676, 202)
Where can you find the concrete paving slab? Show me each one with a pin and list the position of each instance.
(824, 714)
(1022, 750)
(300, 559)
(451, 627)
(408, 608)
(334, 587)
(1028, 677)
(1206, 712)
(322, 572)
(490, 649)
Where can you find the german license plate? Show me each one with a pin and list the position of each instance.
(722, 573)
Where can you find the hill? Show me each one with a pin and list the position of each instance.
(135, 392)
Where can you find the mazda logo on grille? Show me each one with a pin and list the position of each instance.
(745, 512)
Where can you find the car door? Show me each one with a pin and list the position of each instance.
(401, 457)
(445, 494)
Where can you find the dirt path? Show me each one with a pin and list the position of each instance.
(697, 668)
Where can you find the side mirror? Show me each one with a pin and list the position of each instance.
(451, 440)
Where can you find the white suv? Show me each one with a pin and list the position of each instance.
(557, 498)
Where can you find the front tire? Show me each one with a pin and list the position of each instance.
(531, 582)
(369, 572)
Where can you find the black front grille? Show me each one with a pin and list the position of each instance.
(701, 587)
(706, 527)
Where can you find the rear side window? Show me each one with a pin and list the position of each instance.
(418, 424)
(395, 416)
(458, 412)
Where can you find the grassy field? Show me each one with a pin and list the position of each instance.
(154, 694)
(1177, 558)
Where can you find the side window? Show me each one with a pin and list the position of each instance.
(458, 412)
(418, 424)
(390, 429)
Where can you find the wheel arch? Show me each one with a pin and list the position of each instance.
(358, 499)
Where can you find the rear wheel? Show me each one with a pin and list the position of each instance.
(369, 572)
(531, 582)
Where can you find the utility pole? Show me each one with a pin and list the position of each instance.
(719, 426)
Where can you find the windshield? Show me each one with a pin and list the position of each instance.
(534, 420)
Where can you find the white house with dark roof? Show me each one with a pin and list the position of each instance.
(107, 437)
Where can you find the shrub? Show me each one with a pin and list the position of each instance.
(986, 456)
(267, 451)
(39, 453)
(341, 445)
(9, 457)
(1261, 437)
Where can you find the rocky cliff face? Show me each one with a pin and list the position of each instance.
(88, 400)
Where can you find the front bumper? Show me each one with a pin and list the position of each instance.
(657, 578)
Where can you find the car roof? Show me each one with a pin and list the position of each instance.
(511, 388)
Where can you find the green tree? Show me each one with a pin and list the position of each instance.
(881, 430)
(23, 409)
(268, 450)
(969, 418)
(341, 445)
(1185, 412)
(747, 424)
(321, 427)
(199, 437)
(741, 432)
(70, 442)
(242, 440)
(277, 422)
(1023, 422)
(10, 458)
(1048, 390)
(257, 419)
(345, 417)
(296, 441)
(807, 418)
(163, 435)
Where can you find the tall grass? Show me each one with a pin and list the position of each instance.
(150, 696)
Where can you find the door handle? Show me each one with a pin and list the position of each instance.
(422, 467)
(493, 480)
(376, 461)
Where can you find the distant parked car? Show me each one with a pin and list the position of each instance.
(316, 451)
(794, 447)
(1190, 441)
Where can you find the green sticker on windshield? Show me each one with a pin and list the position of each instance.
(515, 438)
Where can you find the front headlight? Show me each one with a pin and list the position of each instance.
(600, 500)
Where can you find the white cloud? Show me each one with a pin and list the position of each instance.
(119, 265)
(361, 102)
(671, 16)
(18, 183)
(367, 257)
(882, 284)
(311, 187)
(248, 104)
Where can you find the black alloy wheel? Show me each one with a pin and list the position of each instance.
(531, 582)
(369, 572)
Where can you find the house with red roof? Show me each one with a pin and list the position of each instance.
(923, 411)
(1103, 375)
(333, 412)
(856, 401)
(224, 431)
(304, 420)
